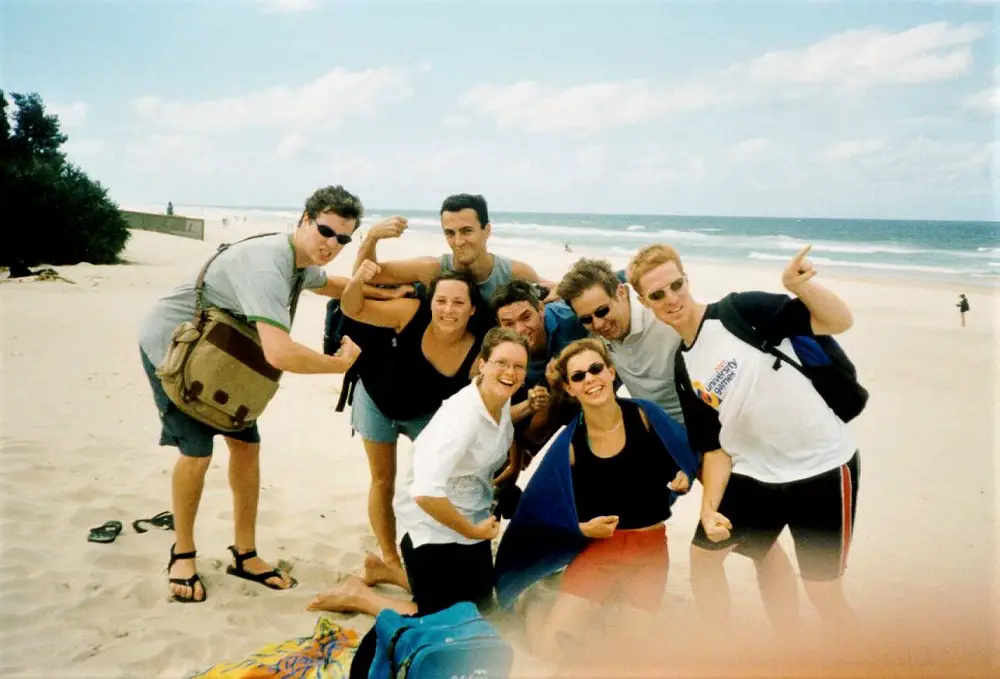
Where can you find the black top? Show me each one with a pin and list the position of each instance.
(631, 485)
(403, 383)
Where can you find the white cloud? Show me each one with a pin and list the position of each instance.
(456, 122)
(188, 151)
(85, 150)
(289, 5)
(985, 100)
(926, 53)
(585, 108)
(290, 145)
(854, 148)
(324, 102)
(71, 115)
(749, 148)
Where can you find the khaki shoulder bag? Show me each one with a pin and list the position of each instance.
(215, 370)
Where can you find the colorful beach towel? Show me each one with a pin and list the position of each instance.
(327, 654)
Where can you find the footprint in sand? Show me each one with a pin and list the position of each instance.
(127, 562)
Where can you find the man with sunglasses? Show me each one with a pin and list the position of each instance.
(774, 452)
(465, 221)
(255, 279)
(642, 348)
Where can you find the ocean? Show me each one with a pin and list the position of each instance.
(966, 253)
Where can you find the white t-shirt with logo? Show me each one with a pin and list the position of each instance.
(773, 423)
(456, 456)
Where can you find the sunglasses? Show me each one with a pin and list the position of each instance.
(599, 312)
(327, 232)
(595, 368)
(657, 295)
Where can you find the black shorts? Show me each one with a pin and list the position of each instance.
(819, 512)
(443, 575)
(440, 576)
(193, 438)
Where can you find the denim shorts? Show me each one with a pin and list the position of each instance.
(193, 438)
(368, 420)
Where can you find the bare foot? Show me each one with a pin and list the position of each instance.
(347, 597)
(257, 565)
(184, 569)
(377, 572)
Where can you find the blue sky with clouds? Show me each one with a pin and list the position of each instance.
(854, 109)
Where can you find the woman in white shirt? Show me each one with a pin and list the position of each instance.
(444, 512)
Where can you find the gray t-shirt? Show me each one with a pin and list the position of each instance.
(252, 279)
(502, 273)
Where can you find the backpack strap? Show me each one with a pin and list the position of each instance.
(199, 284)
(738, 326)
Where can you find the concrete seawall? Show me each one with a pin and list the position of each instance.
(176, 225)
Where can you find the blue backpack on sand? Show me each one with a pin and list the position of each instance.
(456, 643)
(821, 359)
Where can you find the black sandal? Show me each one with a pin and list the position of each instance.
(161, 520)
(186, 582)
(105, 533)
(260, 578)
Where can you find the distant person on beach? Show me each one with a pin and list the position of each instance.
(170, 208)
(775, 453)
(643, 350)
(444, 511)
(549, 328)
(255, 280)
(466, 224)
(567, 247)
(432, 356)
(963, 307)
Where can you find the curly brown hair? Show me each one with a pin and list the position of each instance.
(335, 199)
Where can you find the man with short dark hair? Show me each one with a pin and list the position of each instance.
(255, 280)
(548, 329)
(465, 221)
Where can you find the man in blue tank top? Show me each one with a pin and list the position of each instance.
(466, 224)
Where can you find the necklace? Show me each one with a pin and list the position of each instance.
(609, 431)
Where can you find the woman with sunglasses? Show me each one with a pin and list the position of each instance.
(624, 461)
(431, 356)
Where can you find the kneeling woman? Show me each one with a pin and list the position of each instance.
(626, 461)
(444, 513)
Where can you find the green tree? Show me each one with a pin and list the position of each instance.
(58, 215)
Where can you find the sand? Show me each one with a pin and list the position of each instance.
(78, 447)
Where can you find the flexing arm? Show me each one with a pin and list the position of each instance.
(282, 352)
(443, 511)
(335, 286)
(395, 313)
(716, 468)
(393, 227)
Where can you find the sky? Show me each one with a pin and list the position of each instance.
(804, 109)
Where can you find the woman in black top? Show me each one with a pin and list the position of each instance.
(622, 480)
(431, 357)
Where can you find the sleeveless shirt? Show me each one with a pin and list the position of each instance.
(403, 383)
(501, 274)
(631, 485)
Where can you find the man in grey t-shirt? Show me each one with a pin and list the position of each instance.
(255, 280)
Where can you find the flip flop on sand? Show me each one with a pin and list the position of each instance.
(161, 520)
(105, 533)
